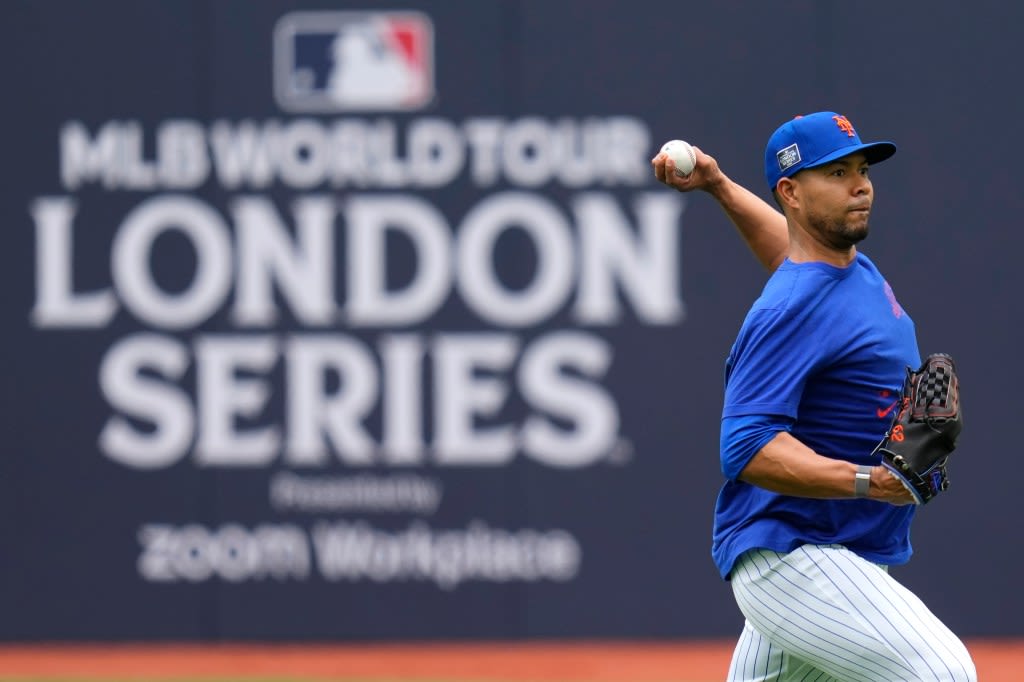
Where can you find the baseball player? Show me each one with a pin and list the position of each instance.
(810, 515)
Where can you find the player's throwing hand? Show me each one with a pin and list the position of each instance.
(705, 174)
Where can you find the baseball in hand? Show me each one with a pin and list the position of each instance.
(682, 156)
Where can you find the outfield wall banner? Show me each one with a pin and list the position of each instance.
(370, 322)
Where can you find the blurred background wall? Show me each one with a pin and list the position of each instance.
(335, 321)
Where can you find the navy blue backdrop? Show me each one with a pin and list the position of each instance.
(368, 321)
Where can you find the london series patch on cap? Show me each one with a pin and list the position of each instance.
(788, 157)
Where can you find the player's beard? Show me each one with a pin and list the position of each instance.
(841, 232)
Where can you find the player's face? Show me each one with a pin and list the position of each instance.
(836, 200)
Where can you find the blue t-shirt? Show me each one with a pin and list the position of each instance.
(822, 354)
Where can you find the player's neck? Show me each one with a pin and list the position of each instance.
(803, 248)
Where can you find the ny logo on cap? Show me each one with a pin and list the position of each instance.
(844, 125)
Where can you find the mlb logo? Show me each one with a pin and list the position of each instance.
(353, 61)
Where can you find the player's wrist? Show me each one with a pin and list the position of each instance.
(718, 185)
(862, 481)
(881, 484)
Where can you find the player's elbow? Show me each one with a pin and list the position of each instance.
(734, 464)
(742, 438)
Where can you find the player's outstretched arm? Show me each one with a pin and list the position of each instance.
(787, 466)
(762, 227)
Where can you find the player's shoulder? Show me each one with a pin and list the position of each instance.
(798, 292)
(793, 284)
(869, 276)
(863, 262)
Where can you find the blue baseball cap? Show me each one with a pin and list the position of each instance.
(814, 140)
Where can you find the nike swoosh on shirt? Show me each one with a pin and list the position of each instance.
(883, 413)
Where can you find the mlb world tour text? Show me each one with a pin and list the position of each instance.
(293, 341)
(590, 259)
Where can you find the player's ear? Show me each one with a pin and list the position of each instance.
(787, 191)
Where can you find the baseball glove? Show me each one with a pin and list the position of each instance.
(924, 430)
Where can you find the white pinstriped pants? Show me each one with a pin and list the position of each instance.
(822, 613)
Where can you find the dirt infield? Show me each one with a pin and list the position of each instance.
(509, 662)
